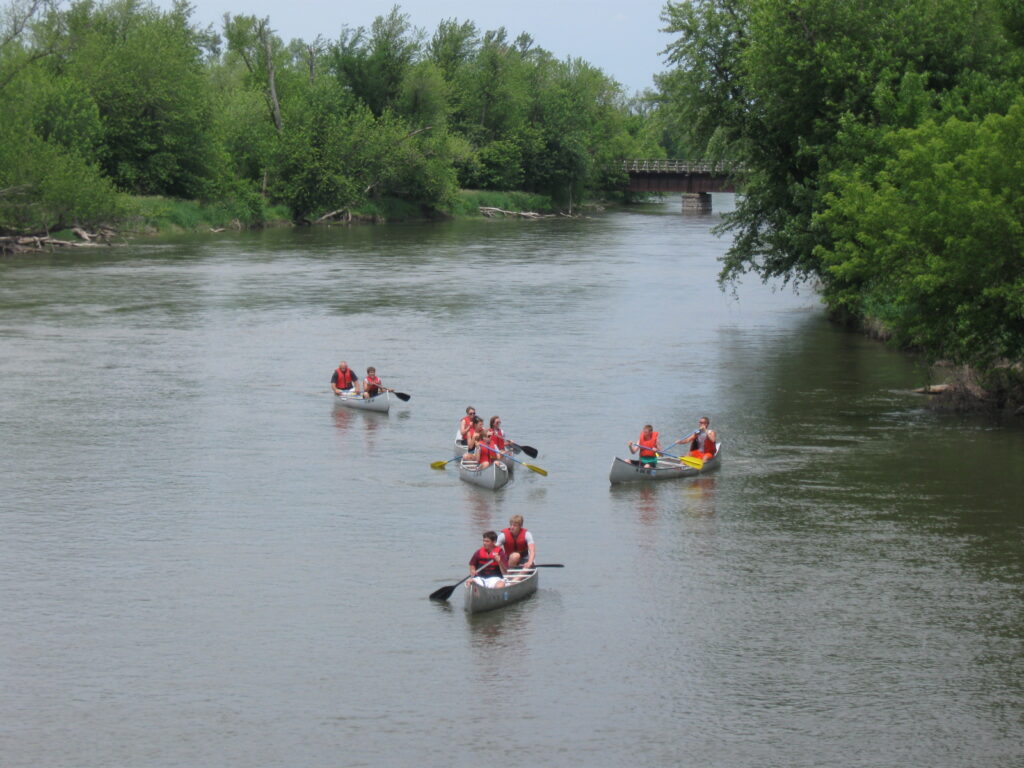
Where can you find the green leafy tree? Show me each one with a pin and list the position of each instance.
(930, 243)
(374, 64)
(144, 70)
(770, 84)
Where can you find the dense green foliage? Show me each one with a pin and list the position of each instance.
(104, 101)
(880, 145)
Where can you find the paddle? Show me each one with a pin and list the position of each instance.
(529, 450)
(400, 395)
(508, 455)
(690, 461)
(444, 593)
(442, 464)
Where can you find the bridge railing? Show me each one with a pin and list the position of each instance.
(673, 166)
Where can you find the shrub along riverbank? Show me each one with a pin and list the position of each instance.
(123, 98)
(881, 144)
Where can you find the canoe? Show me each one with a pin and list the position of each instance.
(380, 403)
(624, 471)
(493, 476)
(521, 582)
(461, 448)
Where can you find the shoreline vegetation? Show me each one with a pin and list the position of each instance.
(156, 215)
(996, 392)
(876, 145)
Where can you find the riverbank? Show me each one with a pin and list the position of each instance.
(998, 393)
(154, 215)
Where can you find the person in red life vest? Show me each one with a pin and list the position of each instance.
(488, 564)
(486, 451)
(474, 436)
(465, 423)
(517, 543)
(648, 445)
(371, 383)
(344, 379)
(499, 440)
(703, 440)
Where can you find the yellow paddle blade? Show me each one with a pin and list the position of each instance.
(692, 461)
(538, 470)
(439, 465)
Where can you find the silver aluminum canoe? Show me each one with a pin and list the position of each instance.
(521, 582)
(493, 476)
(380, 403)
(461, 450)
(624, 471)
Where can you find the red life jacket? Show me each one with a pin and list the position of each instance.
(482, 555)
(344, 378)
(464, 425)
(647, 446)
(371, 384)
(516, 543)
(487, 452)
(498, 439)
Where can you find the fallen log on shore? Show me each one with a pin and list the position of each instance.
(490, 211)
(11, 244)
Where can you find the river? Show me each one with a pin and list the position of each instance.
(205, 562)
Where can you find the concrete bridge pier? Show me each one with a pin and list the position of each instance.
(696, 202)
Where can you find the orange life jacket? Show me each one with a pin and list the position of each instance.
(647, 446)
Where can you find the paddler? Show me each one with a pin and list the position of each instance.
(648, 445)
(517, 543)
(488, 564)
(371, 383)
(703, 440)
(344, 379)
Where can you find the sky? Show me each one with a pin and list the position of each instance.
(621, 38)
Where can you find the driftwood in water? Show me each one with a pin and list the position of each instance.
(38, 243)
(934, 389)
(490, 211)
(345, 216)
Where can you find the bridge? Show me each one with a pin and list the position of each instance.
(695, 180)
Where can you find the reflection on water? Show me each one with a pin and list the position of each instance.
(850, 582)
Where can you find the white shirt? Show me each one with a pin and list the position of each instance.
(501, 538)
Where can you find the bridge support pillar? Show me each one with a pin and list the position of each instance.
(696, 202)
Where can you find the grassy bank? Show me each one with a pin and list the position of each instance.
(469, 202)
(163, 214)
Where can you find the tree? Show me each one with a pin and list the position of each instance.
(374, 65)
(770, 84)
(930, 242)
(254, 42)
(144, 70)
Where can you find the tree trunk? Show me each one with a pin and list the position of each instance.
(275, 105)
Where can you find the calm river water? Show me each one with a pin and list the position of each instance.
(205, 562)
